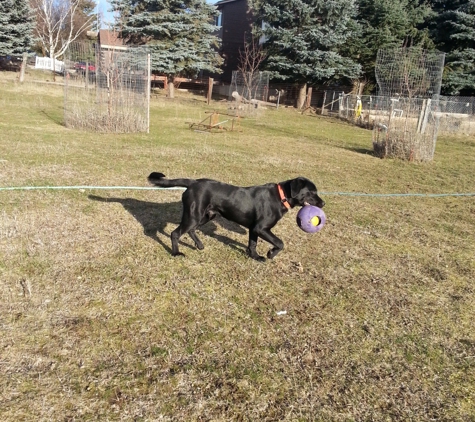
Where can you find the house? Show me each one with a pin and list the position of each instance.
(110, 45)
(235, 25)
(110, 41)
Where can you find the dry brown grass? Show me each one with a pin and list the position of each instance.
(99, 322)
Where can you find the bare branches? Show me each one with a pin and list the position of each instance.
(250, 60)
(251, 57)
(52, 19)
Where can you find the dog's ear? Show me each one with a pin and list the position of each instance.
(296, 185)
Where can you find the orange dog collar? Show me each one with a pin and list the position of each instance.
(283, 199)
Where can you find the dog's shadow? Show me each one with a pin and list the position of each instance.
(154, 218)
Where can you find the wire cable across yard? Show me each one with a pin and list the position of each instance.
(374, 195)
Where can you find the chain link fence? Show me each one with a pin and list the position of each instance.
(409, 72)
(454, 115)
(106, 90)
(248, 91)
(403, 128)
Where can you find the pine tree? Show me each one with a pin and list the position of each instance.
(304, 38)
(179, 34)
(385, 24)
(16, 27)
(453, 30)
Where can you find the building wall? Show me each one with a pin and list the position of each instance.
(236, 20)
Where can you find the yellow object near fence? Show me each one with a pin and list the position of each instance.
(358, 108)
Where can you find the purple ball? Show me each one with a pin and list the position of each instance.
(311, 219)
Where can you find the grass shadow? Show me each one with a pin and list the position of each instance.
(154, 218)
(58, 119)
(364, 151)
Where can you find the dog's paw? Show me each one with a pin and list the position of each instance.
(254, 255)
(178, 254)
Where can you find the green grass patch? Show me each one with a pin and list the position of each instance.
(370, 319)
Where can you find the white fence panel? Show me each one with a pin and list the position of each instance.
(48, 63)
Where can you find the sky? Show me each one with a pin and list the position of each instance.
(103, 6)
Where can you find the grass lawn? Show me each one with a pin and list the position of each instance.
(99, 322)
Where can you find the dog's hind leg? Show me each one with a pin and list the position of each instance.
(251, 248)
(189, 222)
(179, 232)
(208, 217)
(175, 236)
(196, 239)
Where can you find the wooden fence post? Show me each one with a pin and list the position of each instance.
(149, 90)
(23, 67)
(87, 75)
(210, 90)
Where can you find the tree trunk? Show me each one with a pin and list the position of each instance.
(358, 86)
(302, 96)
(362, 85)
(171, 88)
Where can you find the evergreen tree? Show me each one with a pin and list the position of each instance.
(386, 24)
(178, 33)
(16, 27)
(453, 30)
(303, 39)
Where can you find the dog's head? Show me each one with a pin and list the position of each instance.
(304, 192)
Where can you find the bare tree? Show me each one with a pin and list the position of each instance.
(250, 59)
(57, 24)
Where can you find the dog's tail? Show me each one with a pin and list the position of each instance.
(158, 179)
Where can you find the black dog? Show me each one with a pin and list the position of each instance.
(258, 208)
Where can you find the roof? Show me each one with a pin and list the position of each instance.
(219, 3)
(110, 39)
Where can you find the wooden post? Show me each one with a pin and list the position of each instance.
(426, 112)
(391, 111)
(421, 116)
(341, 105)
(149, 87)
(324, 99)
(214, 119)
(23, 67)
(210, 90)
(87, 75)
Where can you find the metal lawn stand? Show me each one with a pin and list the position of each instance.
(214, 123)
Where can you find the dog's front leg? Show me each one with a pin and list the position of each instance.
(270, 237)
(251, 249)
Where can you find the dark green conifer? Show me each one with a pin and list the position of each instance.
(303, 39)
(180, 35)
(16, 27)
